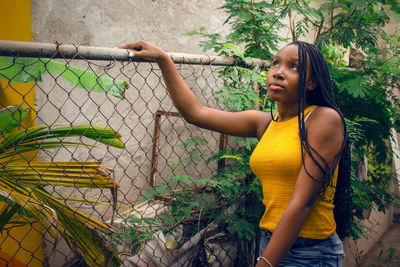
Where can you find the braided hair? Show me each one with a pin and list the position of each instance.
(322, 96)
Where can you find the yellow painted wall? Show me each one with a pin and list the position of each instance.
(21, 246)
(16, 24)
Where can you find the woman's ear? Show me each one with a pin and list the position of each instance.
(311, 84)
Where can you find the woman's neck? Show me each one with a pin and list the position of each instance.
(286, 112)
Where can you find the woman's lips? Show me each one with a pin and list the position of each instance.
(275, 86)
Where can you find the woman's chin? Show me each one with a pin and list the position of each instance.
(273, 97)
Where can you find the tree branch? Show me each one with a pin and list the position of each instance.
(319, 30)
(342, 21)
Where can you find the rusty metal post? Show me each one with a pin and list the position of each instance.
(156, 139)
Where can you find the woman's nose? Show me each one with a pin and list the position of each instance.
(278, 74)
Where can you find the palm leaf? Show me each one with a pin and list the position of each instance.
(69, 174)
(22, 185)
(11, 117)
(58, 217)
(21, 195)
(8, 212)
(23, 181)
(11, 151)
(27, 138)
(78, 228)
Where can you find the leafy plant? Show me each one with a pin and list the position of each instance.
(334, 54)
(24, 70)
(23, 183)
(363, 94)
(195, 202)
(134, 233)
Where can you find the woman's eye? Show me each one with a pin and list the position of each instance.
(294, 67)
(275, 63)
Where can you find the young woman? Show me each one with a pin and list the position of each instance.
(302, 157)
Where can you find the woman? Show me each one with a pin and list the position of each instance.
(302, 150)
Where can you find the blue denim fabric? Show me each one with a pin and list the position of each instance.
(328, 253)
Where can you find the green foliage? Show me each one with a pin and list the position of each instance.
(255, 24)
(375, 192)
(24, 70)
(212, 41)
(212, 199)
(23, 183)
(134, 232)
(390, 254)
(240, 226)
(238, 93)
(334, 54)
(363, 94)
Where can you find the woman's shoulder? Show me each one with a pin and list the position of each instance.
(325, 130)
(325, 119)
(325, 113)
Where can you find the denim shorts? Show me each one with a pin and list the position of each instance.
(304, 252)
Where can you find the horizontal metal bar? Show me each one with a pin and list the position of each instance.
(34, 49)
(215, 60)
(168, 113)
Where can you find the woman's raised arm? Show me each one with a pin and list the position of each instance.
(251, 123)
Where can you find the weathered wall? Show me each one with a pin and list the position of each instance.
(110, 23)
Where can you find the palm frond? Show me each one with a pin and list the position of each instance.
(22, 184)
(39, 134)
(69, 174)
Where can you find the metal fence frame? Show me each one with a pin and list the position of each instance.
(32, 49)
(69, 52)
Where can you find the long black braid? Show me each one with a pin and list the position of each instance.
(322, 96)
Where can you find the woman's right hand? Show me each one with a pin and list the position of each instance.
(146, 50)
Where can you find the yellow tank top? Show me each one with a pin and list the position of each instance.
(276, 161)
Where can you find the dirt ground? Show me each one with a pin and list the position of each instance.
(386, 252)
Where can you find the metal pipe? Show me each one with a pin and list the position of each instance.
(34, 49)
(156, 139)
(154, 155)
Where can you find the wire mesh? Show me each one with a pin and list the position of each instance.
(92, 201)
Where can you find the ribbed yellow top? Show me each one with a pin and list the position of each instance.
(277, 162)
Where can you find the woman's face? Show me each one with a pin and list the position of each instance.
(283, 76)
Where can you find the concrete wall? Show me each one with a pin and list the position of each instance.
(379, 222)
(110, 23)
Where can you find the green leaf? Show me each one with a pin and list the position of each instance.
(8, 211)
(24, 70)
(11, 117)
(357, 87)
(42, 133)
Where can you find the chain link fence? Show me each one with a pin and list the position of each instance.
(98, 168)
